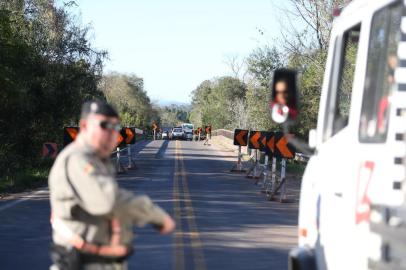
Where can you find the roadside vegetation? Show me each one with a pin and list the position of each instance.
(241, 100)
(49, 67)
(173, 115)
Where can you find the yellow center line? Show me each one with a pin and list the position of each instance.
(178, 252)
(197, 246)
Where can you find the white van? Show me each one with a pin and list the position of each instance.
(356, 176)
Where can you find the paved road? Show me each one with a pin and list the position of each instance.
(223, 221)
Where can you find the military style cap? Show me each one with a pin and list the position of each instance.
(98, 107)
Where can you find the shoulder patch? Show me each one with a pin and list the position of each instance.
(89, 168)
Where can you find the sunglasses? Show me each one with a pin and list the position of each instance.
(106, 125)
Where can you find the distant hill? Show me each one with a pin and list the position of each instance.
(173, 113)
(163, 103)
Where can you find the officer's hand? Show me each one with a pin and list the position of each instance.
(168, 225)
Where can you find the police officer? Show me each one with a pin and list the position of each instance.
(92, 218)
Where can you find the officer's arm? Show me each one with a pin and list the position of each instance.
(139, 208)
(96, 191)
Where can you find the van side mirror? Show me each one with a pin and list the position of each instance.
(283, 104)
(312, 139)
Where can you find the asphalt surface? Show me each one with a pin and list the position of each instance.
(223, 222)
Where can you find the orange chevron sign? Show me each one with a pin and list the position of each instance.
(49, 150)
(282, 147)
(73, 132)
(241, 137)
(130, 135)
(271, 144)
(120, 138)
(69, 134)
(263, 141)
(254, 140)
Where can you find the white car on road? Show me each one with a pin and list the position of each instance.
(177, 133)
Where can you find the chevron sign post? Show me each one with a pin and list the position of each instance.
(69, 135)
(240, 139)
(283, 149)
(254, 138)
(49, 150)
(129, 140)
(130, 135)
(255, 142)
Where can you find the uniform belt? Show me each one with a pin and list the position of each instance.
(113, 250)
(83, 258)
(88, 259)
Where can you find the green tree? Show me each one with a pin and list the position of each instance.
(47, 69)
(126, 92)
(262, 62)
(212, 101)
(174, 115)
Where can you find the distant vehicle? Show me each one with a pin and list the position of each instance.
(177, 133)
(165, 135)
(188, 130)
(352, 204)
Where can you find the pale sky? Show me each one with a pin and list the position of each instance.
(175, 45)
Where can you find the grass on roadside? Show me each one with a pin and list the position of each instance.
(26, 179)
(296, 167)
(292, 166)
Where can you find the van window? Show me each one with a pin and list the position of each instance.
(339, 98)
(187, 126)
(379, 80)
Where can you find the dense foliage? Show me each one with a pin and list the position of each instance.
(305, 32)
(173, 115)
(229, 102)
(47, 68)
(127, 94)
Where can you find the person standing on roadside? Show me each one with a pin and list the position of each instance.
(92, 218)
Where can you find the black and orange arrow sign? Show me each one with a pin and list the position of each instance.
(283, 149)
(49, 150)
(263, 140)
(121, 138)
(241, 137)
(253, 142)
(130, 135)
(69, 135)
(270, 144)
(266, 142)
(154, 126)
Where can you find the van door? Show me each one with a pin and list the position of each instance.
(379, 127)
(336, 155)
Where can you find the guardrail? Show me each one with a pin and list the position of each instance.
(302, 157)
(223, 132)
